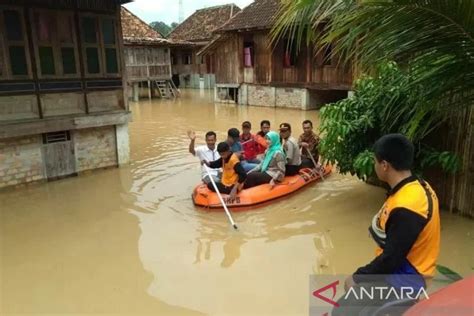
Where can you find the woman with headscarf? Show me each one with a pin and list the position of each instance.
(272, 168)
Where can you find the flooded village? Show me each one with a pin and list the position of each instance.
(98, 186)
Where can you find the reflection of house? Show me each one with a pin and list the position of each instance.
(250, 71)
(147, 57)
(62, 105)
(190, 70)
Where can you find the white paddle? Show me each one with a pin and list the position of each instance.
(220, 198)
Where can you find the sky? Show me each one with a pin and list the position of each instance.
(168, 10)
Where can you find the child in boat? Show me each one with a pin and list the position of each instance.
(233, 175)
(272, 168)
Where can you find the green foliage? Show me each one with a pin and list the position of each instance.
(380, 105)
(448, 274)
(163, 28)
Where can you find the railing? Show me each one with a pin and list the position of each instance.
(148, 72)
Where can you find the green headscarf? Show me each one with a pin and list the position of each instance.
(275, 146)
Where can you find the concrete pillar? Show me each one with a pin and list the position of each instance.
(149, 90)
(123, 144)
(215, 94)
(305, 100)
(136, 91)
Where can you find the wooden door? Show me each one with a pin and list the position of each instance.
(58, 151)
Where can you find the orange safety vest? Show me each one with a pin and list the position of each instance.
(229, 176)
(417, 196)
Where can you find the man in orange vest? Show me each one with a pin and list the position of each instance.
(233, 174)
(406, 230)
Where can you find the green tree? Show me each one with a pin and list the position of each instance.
(161, 27)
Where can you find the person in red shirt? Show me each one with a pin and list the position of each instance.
(249, 146)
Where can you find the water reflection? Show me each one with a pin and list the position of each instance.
(130, 241)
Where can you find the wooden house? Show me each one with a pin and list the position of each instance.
(251, 71)
(62, 104)
(147, 58)
(189, 69)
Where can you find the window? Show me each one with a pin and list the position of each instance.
(290, 53)
(187, 59)
(100, 45)
(248, 54)
(55, 43)
(14, 54)
(327, 61)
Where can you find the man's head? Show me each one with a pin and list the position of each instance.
(246, 127)
(394, 153)
(224, 150)
(233, 135)
(265, 126)
(307, 127)
(211, 139)
(285, 130)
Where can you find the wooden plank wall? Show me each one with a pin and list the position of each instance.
(228, 61)
(456, 192)
(144, 63)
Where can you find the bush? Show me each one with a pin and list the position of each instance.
(386, 103)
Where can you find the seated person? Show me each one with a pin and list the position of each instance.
(291, 149)
(308, 142)
(233, 139)
(205, 152)
(260, 137)
(272, 168)
(233, 175)
(249, 147)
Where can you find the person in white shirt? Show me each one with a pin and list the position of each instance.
(206, 152)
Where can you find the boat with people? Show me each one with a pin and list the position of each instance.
(263, 193)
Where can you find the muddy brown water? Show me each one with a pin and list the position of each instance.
(129, 241)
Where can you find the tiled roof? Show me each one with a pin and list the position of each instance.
(200, 25)
(258, 15)
(136, 31)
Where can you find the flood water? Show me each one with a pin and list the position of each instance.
(129, 241)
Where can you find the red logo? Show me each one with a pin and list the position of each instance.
(318, 293)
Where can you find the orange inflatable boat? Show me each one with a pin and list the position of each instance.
(202, 196)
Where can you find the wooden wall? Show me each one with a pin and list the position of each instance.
(228, 61)
(56, 69)
(308, 70)
(456, 192)
(198, 64)
(147, 63)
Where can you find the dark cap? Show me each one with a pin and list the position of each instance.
(285, 126)
(246, 124)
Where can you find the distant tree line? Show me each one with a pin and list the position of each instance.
(163, 28)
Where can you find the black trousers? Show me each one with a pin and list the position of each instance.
(256, 178)
(222, 188)
(291, 170)
(307, 163)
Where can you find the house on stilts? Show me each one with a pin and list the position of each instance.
(189, 69)
(147, 59)
(249, 70)
(62, 104)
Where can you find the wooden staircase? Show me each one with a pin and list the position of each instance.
(167, 89)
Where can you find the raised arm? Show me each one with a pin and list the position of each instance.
(192, 137)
